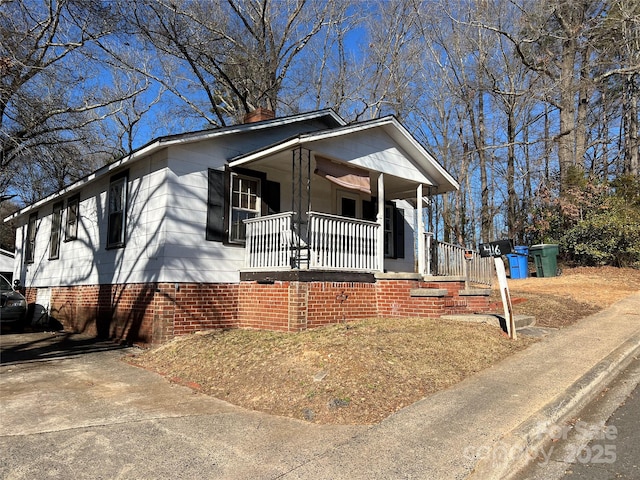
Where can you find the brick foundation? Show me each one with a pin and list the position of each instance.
(154, 313)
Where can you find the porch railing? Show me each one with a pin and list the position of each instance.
(270, 242)
(342, 243)
(330, 243)
(447, 259)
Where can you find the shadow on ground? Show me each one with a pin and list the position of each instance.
(38, 346)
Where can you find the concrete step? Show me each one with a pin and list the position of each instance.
(428, 292)
(521, 321)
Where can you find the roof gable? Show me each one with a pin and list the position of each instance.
(400, 155)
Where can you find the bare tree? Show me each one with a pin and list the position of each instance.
(224, 59)
(571, 45)
(46, 109)
(324, 72)
(622, 30)
(461, 51)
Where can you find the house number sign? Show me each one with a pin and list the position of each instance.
(495, 249)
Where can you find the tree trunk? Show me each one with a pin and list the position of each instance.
(512, 199)
(486, 219)
(632, 146)
(583, 103)
(566, 136)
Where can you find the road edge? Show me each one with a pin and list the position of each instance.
(528, 440)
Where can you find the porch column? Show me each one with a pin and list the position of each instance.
(420, 232)
(380, 219)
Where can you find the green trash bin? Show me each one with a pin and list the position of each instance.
(545, 256)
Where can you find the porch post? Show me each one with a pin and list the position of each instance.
(420, 232)
(380, 222)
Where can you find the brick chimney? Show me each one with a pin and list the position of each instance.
(259, 114)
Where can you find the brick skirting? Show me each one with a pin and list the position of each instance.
(156, 312)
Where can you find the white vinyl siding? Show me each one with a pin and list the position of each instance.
(166, 213)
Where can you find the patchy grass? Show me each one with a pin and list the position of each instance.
(355, 373)
(361, 372)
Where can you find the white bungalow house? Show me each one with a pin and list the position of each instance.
(280, 223)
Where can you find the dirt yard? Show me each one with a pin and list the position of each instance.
(361, 372)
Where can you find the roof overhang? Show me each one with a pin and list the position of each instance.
(331, 118)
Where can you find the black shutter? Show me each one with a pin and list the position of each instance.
(271, 197)
(215, 206)
(370, 209)
(398, 219)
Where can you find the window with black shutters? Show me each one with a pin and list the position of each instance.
(234, 196)
(73, 217)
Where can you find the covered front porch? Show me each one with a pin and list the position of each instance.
(358, 199)
(330, 242)
(334, 243)
(336, 226)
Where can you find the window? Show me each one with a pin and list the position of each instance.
(117, 205)
(215, 205)
(73, 216)
(54, 237)
(245, 203)
(389, 236)
(393, 231)
(30, 247)
(235, 195)
(349, 204)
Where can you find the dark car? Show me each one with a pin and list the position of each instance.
(13, 309)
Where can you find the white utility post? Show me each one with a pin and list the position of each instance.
(496, 250)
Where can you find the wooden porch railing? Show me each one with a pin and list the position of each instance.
(269, 242)
(331, 243)
(447, 259)
(342, 243)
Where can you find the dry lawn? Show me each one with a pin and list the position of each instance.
(560, 301)
(361, 372)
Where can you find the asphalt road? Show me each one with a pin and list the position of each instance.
(603, 442)
(616, 452)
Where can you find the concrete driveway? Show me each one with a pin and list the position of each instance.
(71, 408)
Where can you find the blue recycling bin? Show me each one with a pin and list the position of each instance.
(519, 262)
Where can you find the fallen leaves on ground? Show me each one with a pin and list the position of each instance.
(561, 301)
